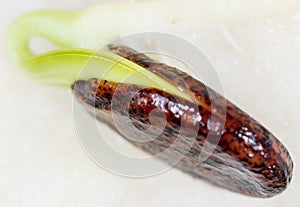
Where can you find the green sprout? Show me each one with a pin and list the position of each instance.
(65, 65)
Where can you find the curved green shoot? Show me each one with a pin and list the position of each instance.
(52, 25)
(64, 66)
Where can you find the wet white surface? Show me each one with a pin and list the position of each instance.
(43, 164)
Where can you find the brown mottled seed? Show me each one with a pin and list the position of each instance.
(248, 158)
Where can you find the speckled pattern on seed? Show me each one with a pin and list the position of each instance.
(248, 158)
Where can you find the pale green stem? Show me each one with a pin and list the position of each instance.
(63, 67)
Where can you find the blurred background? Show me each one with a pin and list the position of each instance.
(43, 164)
